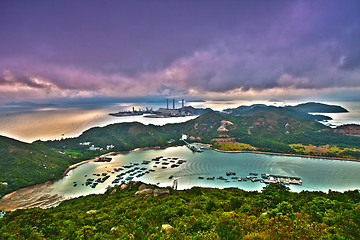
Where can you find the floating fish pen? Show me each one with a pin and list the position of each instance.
(230, 173)
(116, 181)
(104, 159)
(221, 178)
(157, 158)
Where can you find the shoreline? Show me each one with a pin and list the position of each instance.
(15, 199)
(287, 154)
(278, 154)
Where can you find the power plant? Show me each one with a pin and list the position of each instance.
(167, 112)
(163, 112)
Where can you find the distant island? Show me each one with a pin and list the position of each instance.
(313, 107)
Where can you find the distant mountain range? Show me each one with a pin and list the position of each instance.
(301, 110)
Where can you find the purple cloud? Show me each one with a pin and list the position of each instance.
(65, 49)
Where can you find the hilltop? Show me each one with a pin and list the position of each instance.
(140, 211)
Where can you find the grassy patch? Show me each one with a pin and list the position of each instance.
(326, 150)
(233, 146)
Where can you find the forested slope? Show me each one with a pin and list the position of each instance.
(23, 164)
(197, 213)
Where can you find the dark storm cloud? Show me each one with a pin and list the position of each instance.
(19, 79)
(123, 48)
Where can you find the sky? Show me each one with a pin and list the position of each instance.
(204, 49)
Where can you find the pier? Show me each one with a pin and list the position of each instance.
(192, 147)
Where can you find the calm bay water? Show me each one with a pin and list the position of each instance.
(316, 174)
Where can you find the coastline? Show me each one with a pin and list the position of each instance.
(278, 154)
(39, 195)
(287, 154)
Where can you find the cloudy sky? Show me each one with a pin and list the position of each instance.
(201, 49)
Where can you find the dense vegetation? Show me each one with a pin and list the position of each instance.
(197, 213)
(24, 164)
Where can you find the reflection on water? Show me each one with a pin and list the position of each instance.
(316, 174)
(65, 123)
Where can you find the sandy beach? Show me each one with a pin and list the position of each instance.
(35, 196)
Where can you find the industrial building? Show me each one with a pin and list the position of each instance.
(172, 112)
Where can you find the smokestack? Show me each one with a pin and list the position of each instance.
(173, 103)
(167, 103)
(182, 103)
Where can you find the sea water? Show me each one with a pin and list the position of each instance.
(316, 174)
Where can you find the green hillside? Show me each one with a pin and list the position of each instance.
(24, 164)
(272, 130)
(197, 213)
